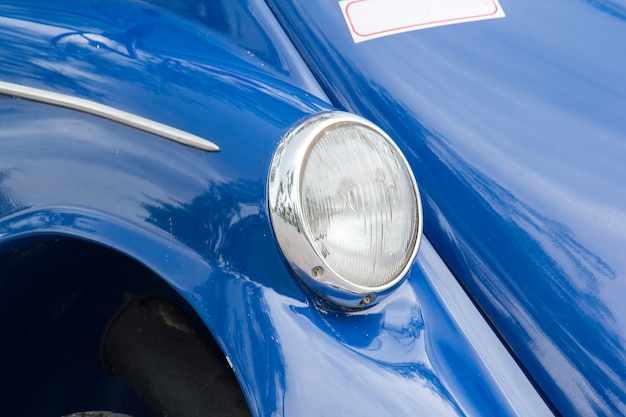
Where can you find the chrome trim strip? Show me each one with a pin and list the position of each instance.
(87, 106)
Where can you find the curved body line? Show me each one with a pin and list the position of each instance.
(107, 112)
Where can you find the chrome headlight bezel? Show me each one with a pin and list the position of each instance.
(288, 219)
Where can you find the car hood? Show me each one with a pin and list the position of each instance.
(515, 128)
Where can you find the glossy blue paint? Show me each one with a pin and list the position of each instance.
(184, 222)
(84, 49)
(199, 220)
(515, 130)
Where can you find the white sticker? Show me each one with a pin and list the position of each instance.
(369, 19)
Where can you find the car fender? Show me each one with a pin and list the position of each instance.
(199, 219)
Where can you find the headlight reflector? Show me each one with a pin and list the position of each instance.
(345, 207)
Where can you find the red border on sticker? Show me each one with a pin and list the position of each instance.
(434, 22)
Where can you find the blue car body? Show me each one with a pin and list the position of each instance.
(514, 128)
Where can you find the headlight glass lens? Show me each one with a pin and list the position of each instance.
(345, 208)
(358, 205)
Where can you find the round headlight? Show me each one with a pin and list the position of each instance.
(345, 208)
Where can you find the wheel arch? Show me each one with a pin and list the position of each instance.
(51, 258)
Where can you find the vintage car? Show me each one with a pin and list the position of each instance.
(312, 208)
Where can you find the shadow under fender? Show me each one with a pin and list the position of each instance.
(151, 344)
